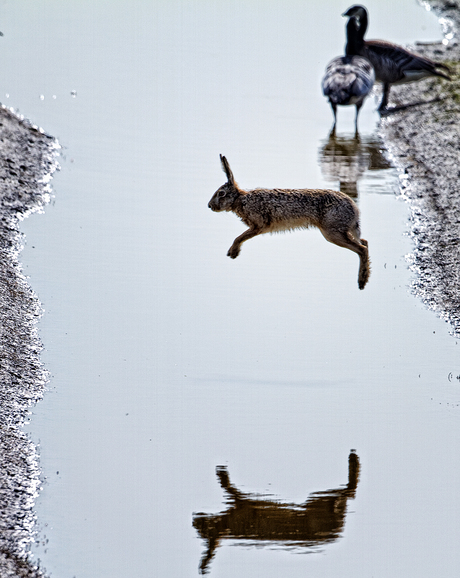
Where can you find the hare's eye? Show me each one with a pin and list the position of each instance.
(221, 194)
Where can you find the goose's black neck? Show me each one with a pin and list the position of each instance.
(355, 35)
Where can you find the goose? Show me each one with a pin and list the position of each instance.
(348, 80)
(393, 64)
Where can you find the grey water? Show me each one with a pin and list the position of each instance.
(170, 362)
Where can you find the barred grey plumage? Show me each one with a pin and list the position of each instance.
(275, 210)
(392, 63)
(348, 80)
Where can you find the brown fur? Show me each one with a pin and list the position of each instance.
(274, 210)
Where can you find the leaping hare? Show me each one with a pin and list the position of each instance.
(275, 210)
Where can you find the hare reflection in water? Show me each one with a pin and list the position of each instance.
(276, 210)
(318, 521)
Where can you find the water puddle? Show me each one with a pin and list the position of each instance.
(345, 159)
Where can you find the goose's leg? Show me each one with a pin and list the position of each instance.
(386, 94)
(334, 110)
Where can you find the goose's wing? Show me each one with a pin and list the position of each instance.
(365, 75)
(393, 61)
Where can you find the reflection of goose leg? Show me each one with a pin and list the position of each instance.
(358, 108)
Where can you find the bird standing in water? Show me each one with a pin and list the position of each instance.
(348, 80)
(392, 63)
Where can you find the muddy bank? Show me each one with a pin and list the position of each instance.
(424, 143)
(28, 159)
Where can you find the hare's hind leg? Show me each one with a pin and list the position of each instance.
(348, 241)
(234, 250)
(356, 234)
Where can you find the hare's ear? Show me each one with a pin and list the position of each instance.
(227, 170)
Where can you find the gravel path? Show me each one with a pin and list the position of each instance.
(424, 142)
(28, 159)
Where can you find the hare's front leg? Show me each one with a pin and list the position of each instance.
(234, 250)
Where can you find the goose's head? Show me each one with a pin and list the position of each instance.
(357, 21)
(357, 11)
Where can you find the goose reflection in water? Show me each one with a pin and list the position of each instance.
(345, 159)
(267, 522)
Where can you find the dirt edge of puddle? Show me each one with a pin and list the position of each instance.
(424, 143)
(29, 158)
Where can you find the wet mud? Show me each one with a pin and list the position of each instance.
(28, 159)
(424, 143)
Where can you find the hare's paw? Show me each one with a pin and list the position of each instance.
(233, 252)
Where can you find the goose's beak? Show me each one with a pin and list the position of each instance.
(349, 12)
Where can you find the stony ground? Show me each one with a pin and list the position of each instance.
(27, 160)
(424, 142)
